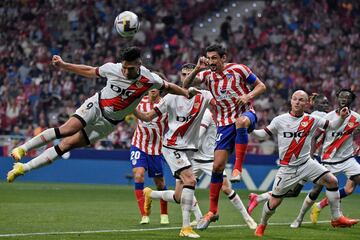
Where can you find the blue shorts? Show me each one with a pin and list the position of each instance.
(151, 163)
(226, 135)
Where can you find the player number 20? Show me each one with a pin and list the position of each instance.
(135, 155)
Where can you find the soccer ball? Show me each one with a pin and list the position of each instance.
(127, 24)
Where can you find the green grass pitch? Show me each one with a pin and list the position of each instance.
(76, 211)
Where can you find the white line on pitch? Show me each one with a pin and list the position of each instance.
(131, 230)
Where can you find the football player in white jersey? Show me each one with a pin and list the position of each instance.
(320, 105)
(126, 83)
(179, 144)
(337, 155)
(294, 132)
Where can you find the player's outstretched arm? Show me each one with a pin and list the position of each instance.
(83, 70)
(145, 117)
(175, 89)
(201, 65)
(260, 134)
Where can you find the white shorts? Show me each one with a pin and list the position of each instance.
(96, 126)
(177, 160)
(350, 168)
(199, 168)
(288, 177)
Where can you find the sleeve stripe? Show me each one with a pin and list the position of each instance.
(204, 126)
(97, 71)
(268, 131)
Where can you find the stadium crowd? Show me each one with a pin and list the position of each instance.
(312, 45)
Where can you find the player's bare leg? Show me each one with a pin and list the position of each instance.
(70, 127)
(216, 183)
(160, 186)
(241, 143)
(49, 155)
(238, 204)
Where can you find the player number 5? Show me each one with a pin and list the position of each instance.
(177, 155)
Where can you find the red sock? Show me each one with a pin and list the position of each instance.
(240, 151)
(214, 196)
(324, 202)
(163, 207)
(140, 200)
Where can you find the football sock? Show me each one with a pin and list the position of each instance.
(267, 212)
(241, 142)
(238, 204)
(196, 209)
(324, 202)
(263, 197)
(215, 186)
(333, 196)
(167, 195)
(163, 204)
(187, 196)
(305, 207)
(139, 187)
(41, 139)
(45, 158)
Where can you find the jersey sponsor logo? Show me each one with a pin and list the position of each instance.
(297, 143)
(125, 93)
(295, 134)
(183, 119)
(339, 134)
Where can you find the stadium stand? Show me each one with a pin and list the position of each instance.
(313, 45)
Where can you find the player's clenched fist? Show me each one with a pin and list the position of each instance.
(57, 61)
(202, 63)
(344, 112)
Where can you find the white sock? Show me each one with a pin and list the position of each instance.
(187, 196)
(334, 202)
(305, 207)
(266, 214)
(45, 158)
(238, 204)
(196, 209)
(40, 140)
(167, 195)
(263, 197)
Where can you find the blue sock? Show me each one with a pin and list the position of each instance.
(217, 177)
(342, 193)
(241, 136)
(139, 186)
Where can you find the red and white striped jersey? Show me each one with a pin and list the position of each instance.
(148, 135)
(294, 136)
(226, 88)
(338, 143)
(185, 117)
(120, 96)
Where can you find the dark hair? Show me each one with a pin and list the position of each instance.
(352, 94)
(216, 48)
(188, 66)
(130, 54)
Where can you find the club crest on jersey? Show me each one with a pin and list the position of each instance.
(223, 91)
(196, 105)
(351, 124)
(304, 124)
(139, 84)
(229, 76)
